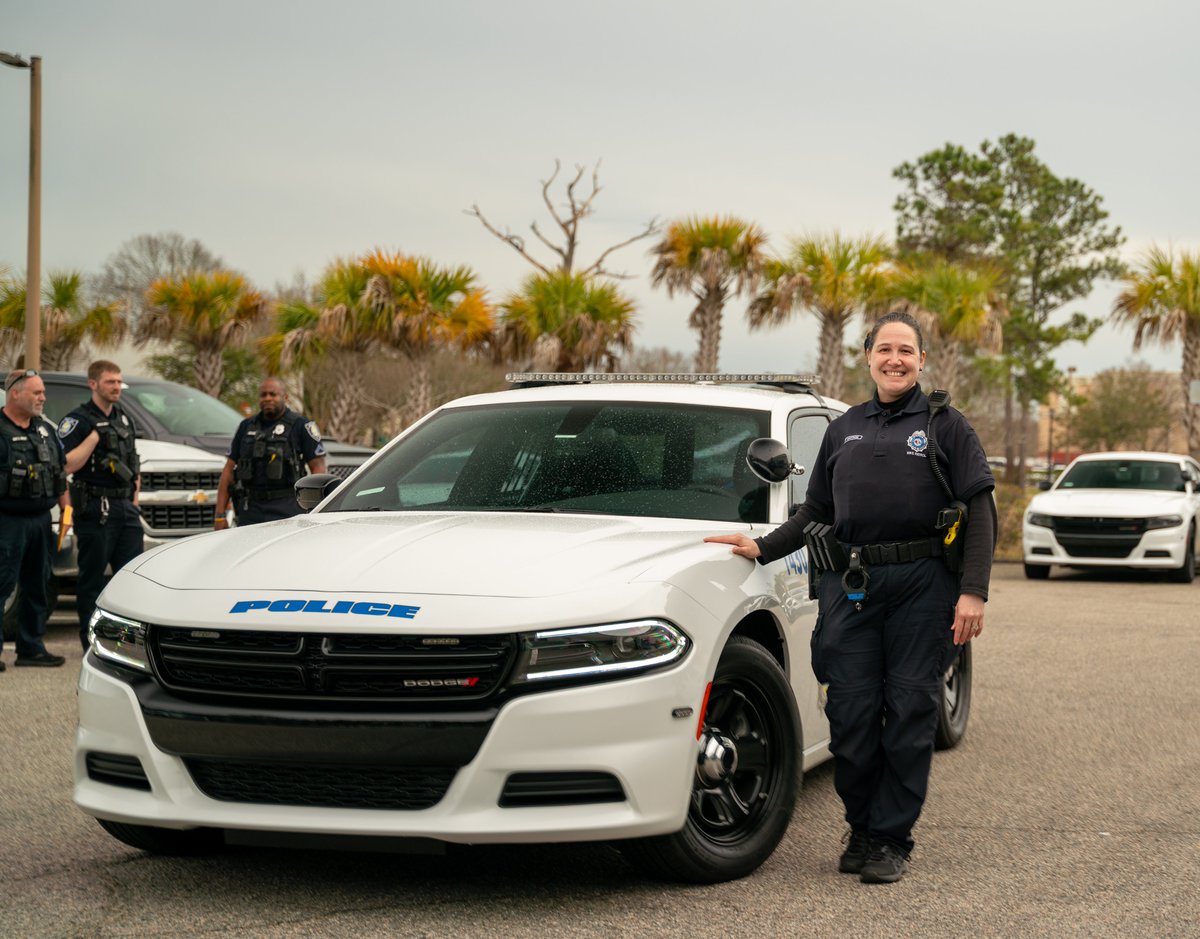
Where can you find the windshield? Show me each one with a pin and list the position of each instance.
(185, 411)
(1124, 474)
(613, 458)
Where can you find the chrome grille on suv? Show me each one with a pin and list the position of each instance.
(183, 481)
(161, 517)
(330, 668)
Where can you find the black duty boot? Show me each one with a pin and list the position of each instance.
(858, 847)
(885, 865)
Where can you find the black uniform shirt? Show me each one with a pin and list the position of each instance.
(73, 430)
(872, 477)
(37, 426)
(305, 437)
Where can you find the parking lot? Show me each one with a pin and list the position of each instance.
(1071, 809)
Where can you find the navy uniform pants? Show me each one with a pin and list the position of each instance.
(256, 512)
(112, 540)
(25, 542)
(884, 666)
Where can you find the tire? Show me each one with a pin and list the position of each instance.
(10, 607)
(165, 840)
(1186, 572)
(742, 799)
(1037, 571)
(954, 708)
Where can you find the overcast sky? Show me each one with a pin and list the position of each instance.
(284, 134)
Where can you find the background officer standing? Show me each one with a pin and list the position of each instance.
(32, 480)
(99, 440)
(267, 455)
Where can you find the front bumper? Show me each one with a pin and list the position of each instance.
(625, 728)
(1158, 549)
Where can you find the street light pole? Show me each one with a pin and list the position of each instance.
(33, 248)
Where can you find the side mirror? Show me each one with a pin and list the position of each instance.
(311, 490)
(768, 459)
(1044, 485)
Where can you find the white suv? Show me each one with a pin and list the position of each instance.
(505, 627)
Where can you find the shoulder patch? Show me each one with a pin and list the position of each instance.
(313, 432)
(67, 425)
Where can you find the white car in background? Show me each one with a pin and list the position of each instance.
(1117, 510)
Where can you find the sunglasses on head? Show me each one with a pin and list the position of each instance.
(19, 376)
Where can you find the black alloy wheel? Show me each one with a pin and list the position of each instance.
(954, 709)
(746, 776)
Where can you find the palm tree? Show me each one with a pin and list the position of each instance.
(337, 325)
(207, 311)
(711, 257)
(567, 323)
(1162, 300)
(834, 277)
(68, 322)
(958, 305)
(423, 307)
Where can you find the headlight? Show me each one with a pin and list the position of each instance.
(598, 652)
(1037, 518)
(117, 639)
(1164, 521)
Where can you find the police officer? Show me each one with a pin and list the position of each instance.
(32, 480)
(268, 454)
(99, 439)
(887, 629)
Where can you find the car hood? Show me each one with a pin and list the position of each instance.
(463, 554)
(1108, 503)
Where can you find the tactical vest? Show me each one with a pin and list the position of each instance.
(30, 470)
(115, 457)
(268, 464)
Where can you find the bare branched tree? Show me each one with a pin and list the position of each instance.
(567, 217)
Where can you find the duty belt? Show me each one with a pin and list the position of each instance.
(266, 495)
(898, 552)
(126, 493)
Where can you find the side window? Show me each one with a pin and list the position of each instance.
(806, 430)
(61, 400)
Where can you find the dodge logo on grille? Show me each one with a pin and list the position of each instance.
(440, 682)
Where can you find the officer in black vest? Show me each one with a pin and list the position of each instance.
(268, 454)
(32, 481)
(901, 597)
(99, 440)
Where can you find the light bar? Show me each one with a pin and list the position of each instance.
(680, 378)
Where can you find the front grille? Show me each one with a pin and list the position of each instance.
(323, 785)
(181, 481)
(341, 470)
(1098, 537)
(166, 517)
(324, 668)
(117, 769)
(522, 790)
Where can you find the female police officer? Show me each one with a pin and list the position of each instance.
(884, 655)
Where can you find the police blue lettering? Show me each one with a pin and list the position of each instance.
(370, 609)
(243, 605)
(360, 608)
(796, 562)
(287, 606)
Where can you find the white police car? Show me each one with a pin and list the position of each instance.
(505, 627)
(1126, 509)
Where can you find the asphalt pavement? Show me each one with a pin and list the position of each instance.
(1072, 808)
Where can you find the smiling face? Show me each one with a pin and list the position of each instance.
(895, 360)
